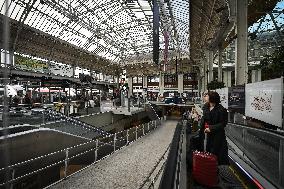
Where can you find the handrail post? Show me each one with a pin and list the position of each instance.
(96, 151)
(66, 162)
(136, 133)
(148, 125)
(143, 130)
(153, 183)
(12, 178)
(127, 136)
(182, 158)
(244, 141)
(155, 124)
(229, 116)
(114, 142)
(43, 117)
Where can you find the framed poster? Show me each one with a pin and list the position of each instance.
(237, 99)
(264, 101)
(223, 96)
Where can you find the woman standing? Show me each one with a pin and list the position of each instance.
(213, 122)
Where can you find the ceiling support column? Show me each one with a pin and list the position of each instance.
(220, 65)
(117, 82)
(210, 59)
(161, 84)
(253, 76)
(180, 84)
(205, 76)
(145, 82)
(259, 75)
(241, 68)
(227, 78)
(130, 86)
(199, 86)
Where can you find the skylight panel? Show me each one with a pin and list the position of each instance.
(85, 32)
(121, 29)
(139, 14)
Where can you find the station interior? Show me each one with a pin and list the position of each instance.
(138, 94)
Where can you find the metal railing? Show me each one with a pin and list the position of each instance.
(175, 175)
(156, 171)
(81, 154)
(153, 111)
(261, 149)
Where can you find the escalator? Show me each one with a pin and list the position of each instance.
(255, 160)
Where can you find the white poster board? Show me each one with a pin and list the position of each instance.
(61, 69)
(264, 101)
(223, 93)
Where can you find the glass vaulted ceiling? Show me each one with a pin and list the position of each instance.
(113, 29)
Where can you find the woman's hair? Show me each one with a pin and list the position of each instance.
(214, 97)
(205, 93)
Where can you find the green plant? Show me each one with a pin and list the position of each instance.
(272, 66)
(215, 85)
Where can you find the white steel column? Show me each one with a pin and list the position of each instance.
(227, 78)
(258, 75)
(220, 65)
(205, 78)
(145, 82)
(253, 76)
(180, 83)
(73, 70)
(199, 86)
(241, 43)
(161, 84)
(117, 81)
(210, 60)
(130, 85)
(201, 78)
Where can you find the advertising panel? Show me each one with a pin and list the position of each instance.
(61, 69)
(223, 96)
(25, 63)
(237, 99)
(264, 101)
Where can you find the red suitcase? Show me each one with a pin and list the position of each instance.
(205, 167)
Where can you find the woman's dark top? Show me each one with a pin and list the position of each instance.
(217, 119)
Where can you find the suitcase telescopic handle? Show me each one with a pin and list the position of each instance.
(205, 138)
(205, 142)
